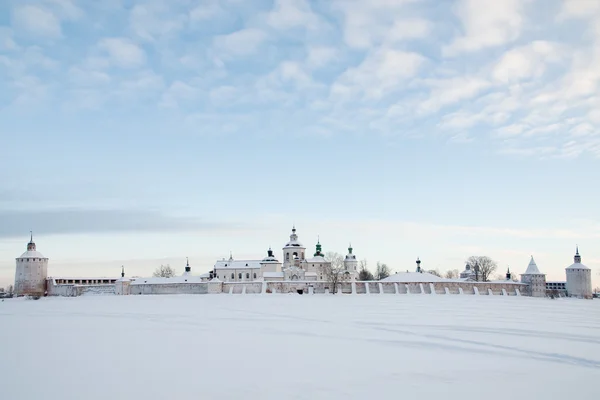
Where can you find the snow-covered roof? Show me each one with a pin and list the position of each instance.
(316, 259)
(295, 244)
(272, 274)
(32, 254)
(86, 278)
(411, 277)
(577, 266)
(532, 268)
(160, 280)
(238, 264)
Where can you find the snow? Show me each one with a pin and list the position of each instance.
(299, 347)
(164, 281)
(237, 264)
(32, 254)
(532, 268)
(577, 266)
(412, 277)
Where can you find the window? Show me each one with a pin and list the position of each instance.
(287, 256)
(255, 275)
(232, 276)
(240, 275)
(247, 275)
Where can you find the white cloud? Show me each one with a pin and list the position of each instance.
(368, 23)
(380, 73)
(319, 56)
(150, 21)
(445, 92)
(177, 93)
(37, 21)
(288, 14)
(487, 24)
(240, 43)
(205, 11)
(123, 52)
(6, 40)
(579, 8)
(408, 29)
(65, 9)
(526, 61)
(84, 77)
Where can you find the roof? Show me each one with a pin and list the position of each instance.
(316, 259)
(577, 266)
(272, 274)
(532, 268)
(410, 277)
(32, 254)
(164, 281)
(294, 243)
(238, 264)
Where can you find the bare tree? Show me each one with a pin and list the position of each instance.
(382, 271)
(364, 274)
(452, 274)
(435, 272)
(164, 271)
(334, 269)
(10, 290)
(483, 266)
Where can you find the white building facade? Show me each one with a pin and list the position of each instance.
(31, 272)
(579, 279)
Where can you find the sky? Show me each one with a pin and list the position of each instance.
(141, 133)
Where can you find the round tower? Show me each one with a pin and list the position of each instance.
(31, 272)
(293, 251)
(579, 278)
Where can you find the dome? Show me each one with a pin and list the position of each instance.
(32, 254)
(577, 266)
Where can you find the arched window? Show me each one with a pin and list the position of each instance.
(240, 275)
(255, 275)
(247, 275)
(287, 256)
(232, 276)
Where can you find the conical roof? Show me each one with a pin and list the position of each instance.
(532, 268)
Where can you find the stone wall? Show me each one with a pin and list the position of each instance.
(169, 288)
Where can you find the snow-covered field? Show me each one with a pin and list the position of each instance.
(299, 347)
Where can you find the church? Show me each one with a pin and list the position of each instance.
(295, 266)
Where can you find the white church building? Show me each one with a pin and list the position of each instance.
(295, 266)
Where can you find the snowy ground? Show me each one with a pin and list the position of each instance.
(299, 347)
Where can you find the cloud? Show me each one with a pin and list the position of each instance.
(320, 56)
(65, 221)
(369, 23)
(445, 92)
(65, 9)
(123, 52)
(287, 14)
(527, 61)
(150, 21)
(487, 24)
(381, 72)
(240, 43)
(176, 93)
(37, 21)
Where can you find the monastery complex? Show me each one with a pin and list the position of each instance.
(297, 272)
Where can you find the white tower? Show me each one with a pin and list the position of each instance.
(293, 250)
(535, 280)
(31, 272)
(351, 264)
(579, 278)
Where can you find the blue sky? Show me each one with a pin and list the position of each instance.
(139, 133)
